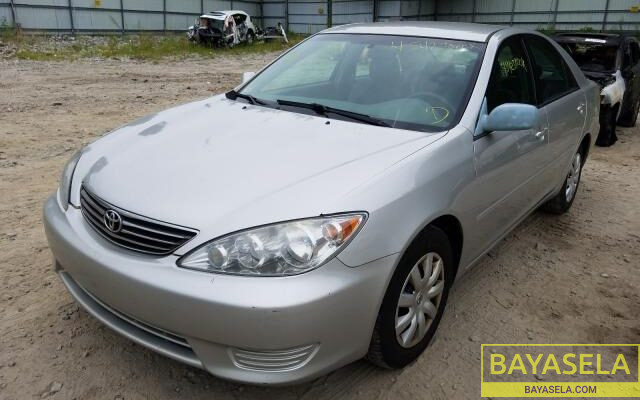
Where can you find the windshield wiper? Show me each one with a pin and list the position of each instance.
(321, 109)
(232, 95)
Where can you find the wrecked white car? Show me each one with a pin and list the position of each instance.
(223, 28)
(611, 60)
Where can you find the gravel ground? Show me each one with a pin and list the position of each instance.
(567, 279)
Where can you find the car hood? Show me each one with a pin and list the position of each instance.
(225, 165)
(600, 77)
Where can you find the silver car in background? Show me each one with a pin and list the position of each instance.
(325, 215)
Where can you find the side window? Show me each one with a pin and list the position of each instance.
(510, 80)
(552, 75)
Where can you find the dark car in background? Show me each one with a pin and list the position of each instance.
(611, 60)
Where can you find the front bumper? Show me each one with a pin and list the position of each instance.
(249, 329)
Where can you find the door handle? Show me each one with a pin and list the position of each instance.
(581, 108)
(540, 135)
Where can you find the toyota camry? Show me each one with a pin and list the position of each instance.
(320, 212)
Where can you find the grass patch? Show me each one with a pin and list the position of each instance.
(140, 47)
(8, 33)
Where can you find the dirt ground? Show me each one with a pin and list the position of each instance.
(568, 279)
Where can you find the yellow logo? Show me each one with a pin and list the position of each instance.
(560, 370)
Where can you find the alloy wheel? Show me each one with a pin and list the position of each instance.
(419, 300)
(573, 178)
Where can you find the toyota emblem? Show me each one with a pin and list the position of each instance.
(113, 221)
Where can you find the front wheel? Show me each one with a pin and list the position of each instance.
(607, 135)
(564, 199)
(414, 302)
(251, 37)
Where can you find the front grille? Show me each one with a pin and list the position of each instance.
(136, 232)
(273, 360)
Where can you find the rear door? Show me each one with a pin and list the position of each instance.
(508, 163)
(559, 95)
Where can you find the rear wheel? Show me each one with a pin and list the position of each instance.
(564, 199)
(414, 302)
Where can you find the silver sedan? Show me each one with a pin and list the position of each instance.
(320, 212)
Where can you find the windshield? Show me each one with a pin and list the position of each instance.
(407, 82)
(211, 23)
(593, 57)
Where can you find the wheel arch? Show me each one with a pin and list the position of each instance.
(452, 228)
(585, 147)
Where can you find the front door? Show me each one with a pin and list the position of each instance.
(508, 163)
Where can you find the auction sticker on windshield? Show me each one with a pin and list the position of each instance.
(560, 370)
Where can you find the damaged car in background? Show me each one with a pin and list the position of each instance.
(229, 28)
(611, 60)
(223, 28)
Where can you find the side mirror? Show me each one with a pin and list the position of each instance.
(509, 117)
(246, 76)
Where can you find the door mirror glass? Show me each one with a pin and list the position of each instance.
(510, 117)
(246, 76)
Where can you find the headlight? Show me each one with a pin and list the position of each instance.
(64, 191)
(287, 248)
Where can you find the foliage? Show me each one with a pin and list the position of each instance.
(7, 32)
(142, 47)
(548, 30)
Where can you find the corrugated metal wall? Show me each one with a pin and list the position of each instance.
(115, 15)
(309, 16)
(560, 15)
(391, 10)
(347, 11)
(273, 11)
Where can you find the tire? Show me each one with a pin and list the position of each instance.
(607, 135)
(629, 118)
(251, 37)
(389, 350)
(564, 199)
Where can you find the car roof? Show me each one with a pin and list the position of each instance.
(222, 14)
(434, 29)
